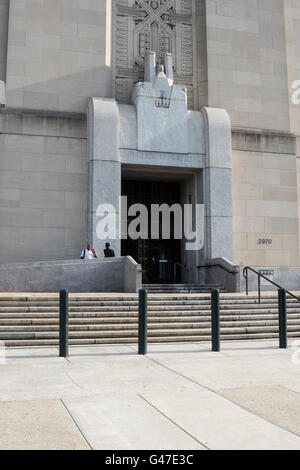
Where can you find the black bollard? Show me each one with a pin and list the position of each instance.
(215, 321)
(63, 324)
(282, 319)
(143, 322)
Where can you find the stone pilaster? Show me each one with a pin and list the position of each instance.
(104, 168)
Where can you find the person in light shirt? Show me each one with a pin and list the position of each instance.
(89, 253)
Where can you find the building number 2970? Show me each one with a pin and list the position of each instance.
(265, 241)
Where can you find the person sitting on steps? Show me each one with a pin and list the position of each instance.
(108, 252)
(89, 253)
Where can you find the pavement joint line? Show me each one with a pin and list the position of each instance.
(215, 392)
(261, 417)
(71, 379)
(289, 389)
(174, 422)
(76, 424)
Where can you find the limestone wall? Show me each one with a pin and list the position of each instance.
(292, 19)
(56, 54)
(265, 208)
(247, 64)
(42, 189)
(4, 4)
(247, 57)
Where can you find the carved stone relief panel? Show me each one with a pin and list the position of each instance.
(158, 25)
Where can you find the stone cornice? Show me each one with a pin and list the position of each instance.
(262, 140)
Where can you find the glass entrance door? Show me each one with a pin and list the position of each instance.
(157, 257)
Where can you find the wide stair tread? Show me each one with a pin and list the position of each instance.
(33, 320)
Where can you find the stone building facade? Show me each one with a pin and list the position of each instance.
(55, 55)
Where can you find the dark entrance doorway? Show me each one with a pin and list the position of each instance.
(157, 257)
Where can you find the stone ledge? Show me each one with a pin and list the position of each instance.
(43, 123)
(258, 140)
(120, 274)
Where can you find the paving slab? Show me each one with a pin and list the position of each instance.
(220, 424)
(38, 425)
(278, 405)
(251, 348)
(36, 381)
(134, 373)
(182, 394)
(32, 355)
(218, 371)
(126, 422)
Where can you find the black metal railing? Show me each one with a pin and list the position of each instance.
(259, 277)
(219, 265)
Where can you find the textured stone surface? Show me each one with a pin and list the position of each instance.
(218, 185)
(2, 94)
(163, 27)
(287, 277)
(112, 275)
(38, 425)
(132, 419)
(265, 208)
(161, 110)
(4, 8)
(244, 57)
(181, 393)
(247, 62)
(276, 404)
(56, 55)
(104, 168)
(42, 196)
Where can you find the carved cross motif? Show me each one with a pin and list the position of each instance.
(155, 13)
(158, 25)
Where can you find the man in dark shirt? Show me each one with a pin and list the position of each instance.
(108, 252)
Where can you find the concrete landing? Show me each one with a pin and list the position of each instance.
(180, 396)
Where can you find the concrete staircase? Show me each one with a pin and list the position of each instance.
(181, 288)
(103, 319)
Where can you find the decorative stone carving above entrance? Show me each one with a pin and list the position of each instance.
(161, 109)
(162, 26)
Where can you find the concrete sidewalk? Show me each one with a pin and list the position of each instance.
(181, 396)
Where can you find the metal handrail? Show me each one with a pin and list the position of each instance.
(216, 264)
(259, 276)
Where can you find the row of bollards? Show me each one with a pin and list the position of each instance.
(215, 320)
(64, 323)
(143, 321)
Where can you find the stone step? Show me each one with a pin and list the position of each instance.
(30, 320)
(192, 311)
(11, 322)
(267, 313)
(152, 326)
(154, 299)
(153, 308)
(192, 290)
(168, 339)
(131, 330)
(134, 301)
(133, 334)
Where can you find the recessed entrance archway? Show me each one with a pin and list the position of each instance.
(158, 257)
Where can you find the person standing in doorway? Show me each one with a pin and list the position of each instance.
(89, 253)
(108, 252)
